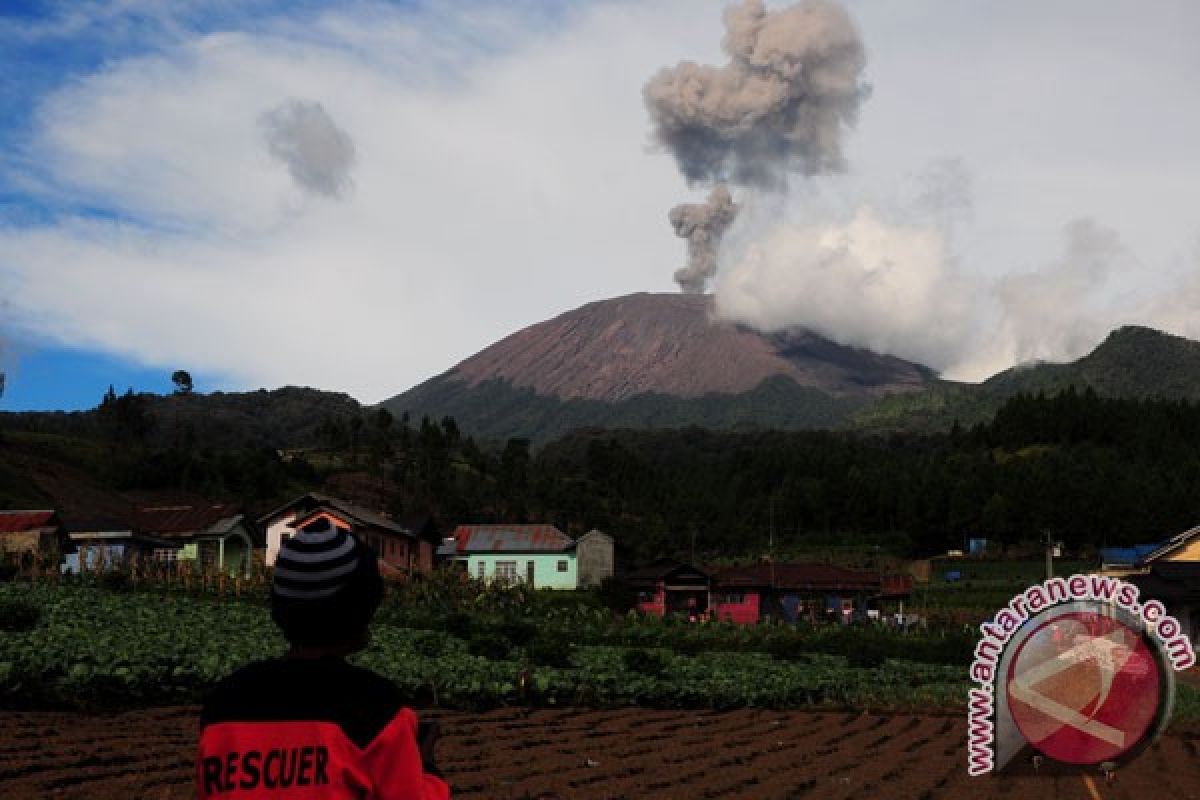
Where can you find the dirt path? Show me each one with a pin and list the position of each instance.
(601, 755)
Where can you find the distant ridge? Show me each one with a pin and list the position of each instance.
(1132, 362)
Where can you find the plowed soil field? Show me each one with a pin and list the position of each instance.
(629, 753)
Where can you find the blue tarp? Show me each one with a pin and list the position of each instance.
(1127, 555)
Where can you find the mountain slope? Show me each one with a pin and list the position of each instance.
(656, 360)
(1132, 362)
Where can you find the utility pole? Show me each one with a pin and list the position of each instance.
(1049, 543)
(771, 541)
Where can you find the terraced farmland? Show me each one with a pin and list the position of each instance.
(516, 754)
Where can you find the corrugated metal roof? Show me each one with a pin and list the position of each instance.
(810, 577)
(660, 570)
(307, 503)
(171, 521)
(17, 521)
(511, 539)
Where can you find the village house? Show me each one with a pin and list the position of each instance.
(804, 592)
(406, 545)
(39, 533)
(1168, 572)
(539, 555)
(217, 537)
(667, 587)
(791, 592)
(103, 543)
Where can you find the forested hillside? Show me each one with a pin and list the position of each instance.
(1089, 470)
(1133, 362)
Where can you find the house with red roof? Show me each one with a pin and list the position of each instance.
(667, 586)
(748, 594)
(39, 532)
(803, 592)
(539, 555)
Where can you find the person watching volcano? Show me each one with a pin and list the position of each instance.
(309, 724)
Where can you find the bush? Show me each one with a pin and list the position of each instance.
(429, 644)
(517, 631)
(644, 662)
(548, 651)
(616, 595)
(18, 615)
(788, 648)
(869, 653)
(489, 645)
(114, 580)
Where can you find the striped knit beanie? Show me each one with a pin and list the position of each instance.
(326, 585)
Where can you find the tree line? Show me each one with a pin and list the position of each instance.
(1088, 470)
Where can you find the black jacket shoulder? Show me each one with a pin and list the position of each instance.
(359, 701)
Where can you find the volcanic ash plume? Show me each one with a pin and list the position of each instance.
(318, 153)
(779, 105)
(792, 85)
(703, 225)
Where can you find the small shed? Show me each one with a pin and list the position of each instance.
(1170, 573)
(594, 554)
(667, 586)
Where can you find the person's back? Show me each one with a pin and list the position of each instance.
(309, 724)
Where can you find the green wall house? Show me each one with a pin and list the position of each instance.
(540, 555)
(217, 537)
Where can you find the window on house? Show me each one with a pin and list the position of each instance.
(646, 596)
(562, 566)
(506, 571)
(731, 598)
(481, 570)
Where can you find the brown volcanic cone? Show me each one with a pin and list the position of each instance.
(670, 344)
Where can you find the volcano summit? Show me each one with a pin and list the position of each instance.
(656, 360)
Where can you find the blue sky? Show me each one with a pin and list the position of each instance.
(357, 195)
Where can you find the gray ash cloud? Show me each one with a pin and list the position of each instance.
(318, 154)
(792, 86)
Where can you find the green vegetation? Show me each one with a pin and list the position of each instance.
(96, 649)
(984, 586)
(1132, 363)
(453, 643)
(1089, 470)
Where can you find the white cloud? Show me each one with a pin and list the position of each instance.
(484, 199)
(892, 288)
(503, 173)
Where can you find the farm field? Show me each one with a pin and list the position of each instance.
(510, 754)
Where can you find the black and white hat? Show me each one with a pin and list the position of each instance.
(326, 585)
(316, 562)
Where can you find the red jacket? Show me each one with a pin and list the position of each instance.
(317, 729)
